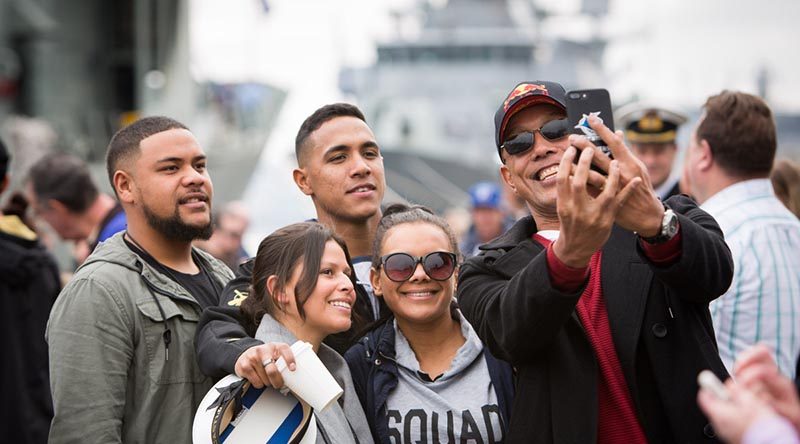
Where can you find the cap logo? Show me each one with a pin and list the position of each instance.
(651, 123)
(522, 90)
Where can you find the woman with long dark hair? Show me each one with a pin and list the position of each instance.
(302, 289)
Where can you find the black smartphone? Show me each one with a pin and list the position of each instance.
(583, 103)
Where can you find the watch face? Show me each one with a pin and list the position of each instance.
(670, 227)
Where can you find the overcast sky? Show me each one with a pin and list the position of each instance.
(682, 51)
(678, 51)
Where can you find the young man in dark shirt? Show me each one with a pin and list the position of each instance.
(340, 167)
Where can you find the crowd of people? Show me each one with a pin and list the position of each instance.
(588, 319)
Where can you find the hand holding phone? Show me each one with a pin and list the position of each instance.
(642, 212)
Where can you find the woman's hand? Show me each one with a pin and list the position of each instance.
(257, 364)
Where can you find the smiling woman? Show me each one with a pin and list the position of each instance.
(424, 373)
(303, 289)
(308, 287)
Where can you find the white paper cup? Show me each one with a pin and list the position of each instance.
(311, 381)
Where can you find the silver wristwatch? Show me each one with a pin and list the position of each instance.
(669, 228)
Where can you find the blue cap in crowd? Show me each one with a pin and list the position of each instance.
(485, 195)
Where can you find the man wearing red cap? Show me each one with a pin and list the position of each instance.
(600, 298)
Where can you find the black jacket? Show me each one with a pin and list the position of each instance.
(659, 320)
(374, 370)
(221, 338)
(29, 284)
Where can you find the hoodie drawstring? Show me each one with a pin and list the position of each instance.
(167, 335)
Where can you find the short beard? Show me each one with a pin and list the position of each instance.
(174, 228)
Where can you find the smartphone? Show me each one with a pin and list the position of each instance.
(583, 103)
(709, 381)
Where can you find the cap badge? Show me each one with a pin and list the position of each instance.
(521, 90)
(651, 123)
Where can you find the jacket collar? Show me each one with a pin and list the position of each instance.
(114, 250)
(521, 230)
(380, 341)
(13, 226)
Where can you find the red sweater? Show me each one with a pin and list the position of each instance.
(616, 420)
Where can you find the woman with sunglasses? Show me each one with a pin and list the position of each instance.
(423, 375)
(302, 289)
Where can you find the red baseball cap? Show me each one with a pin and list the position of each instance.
(522, 96)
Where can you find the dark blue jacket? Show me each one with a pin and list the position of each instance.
(374, 369)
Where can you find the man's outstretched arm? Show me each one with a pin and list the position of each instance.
(221, 339)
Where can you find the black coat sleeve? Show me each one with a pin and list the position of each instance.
(220, 337)
(705, 268)
(511, 303)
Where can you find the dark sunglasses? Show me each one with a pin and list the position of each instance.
(522, 142)
(399, 267)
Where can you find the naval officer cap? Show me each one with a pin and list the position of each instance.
(649, 124)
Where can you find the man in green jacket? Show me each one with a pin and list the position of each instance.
(121, 333)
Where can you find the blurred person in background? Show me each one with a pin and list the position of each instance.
(459, 219)
(489, 219)
(683, 182)
(17, 205)
(61, 191)
(785, 179)
(763, 406)
(650, 132)
(729, 160)
(225, 242)
(29, 284)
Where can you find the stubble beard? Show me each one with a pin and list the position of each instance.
(173, 227)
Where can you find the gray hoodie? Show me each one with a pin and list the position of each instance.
(461, 405)
(109, 374)
(342, 422)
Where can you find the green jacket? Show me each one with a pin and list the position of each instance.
(110, 377)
